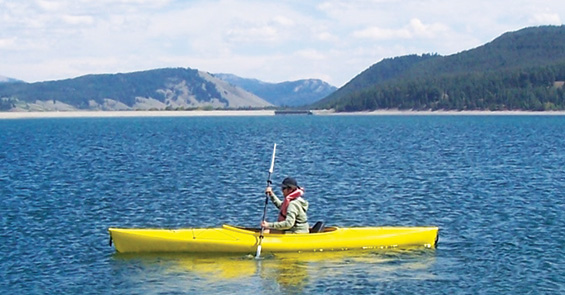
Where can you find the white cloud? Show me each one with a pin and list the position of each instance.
(283, 21)
(7, 43)
(311, 54)
(414, 29)
(546, 19)
(50, 5)
(382, 34)
(253, 34)
(326, 36)
(269, 40)
(422, 30)
(78, 19)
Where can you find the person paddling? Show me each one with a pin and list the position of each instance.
(292, 215)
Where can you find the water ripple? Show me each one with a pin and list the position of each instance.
(494, 186)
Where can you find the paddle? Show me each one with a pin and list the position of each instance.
(266, 202)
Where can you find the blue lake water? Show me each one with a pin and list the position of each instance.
(495, 185)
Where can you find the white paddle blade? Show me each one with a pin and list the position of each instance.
(258, 252)
(273, 159)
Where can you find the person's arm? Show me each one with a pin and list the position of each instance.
(290, 220)
(273, 197)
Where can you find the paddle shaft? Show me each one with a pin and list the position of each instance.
(266, 201)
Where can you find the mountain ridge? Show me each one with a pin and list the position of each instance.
(516, 71)
(158, 89)
(168, 88)
(4, 79)
(288, 93)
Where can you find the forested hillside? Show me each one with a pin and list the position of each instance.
(522, 70)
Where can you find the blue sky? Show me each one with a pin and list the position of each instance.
(273, 41)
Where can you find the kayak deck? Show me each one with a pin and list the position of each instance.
(231, 239)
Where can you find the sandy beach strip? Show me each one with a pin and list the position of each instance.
(227, 113)
(117, 114)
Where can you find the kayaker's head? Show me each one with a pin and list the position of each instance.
(288, 185)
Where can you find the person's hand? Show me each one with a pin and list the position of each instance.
(264, 224)
(269, 191)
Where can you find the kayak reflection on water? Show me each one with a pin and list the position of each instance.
(291, 270)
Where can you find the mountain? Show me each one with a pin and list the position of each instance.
(291, 94)
(170, 88)
(4, 79)
(521, 70)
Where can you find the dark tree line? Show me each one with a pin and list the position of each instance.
(532, 90)
(7, 103)
(518, 71)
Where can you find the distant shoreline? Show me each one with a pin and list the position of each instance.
(446, 113)
(117, 114)
(228, 113)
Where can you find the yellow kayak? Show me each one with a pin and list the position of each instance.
(231, 239)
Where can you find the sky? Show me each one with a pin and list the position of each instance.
(273, 41)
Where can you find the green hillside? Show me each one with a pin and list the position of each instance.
(121, 87)
(520, 70)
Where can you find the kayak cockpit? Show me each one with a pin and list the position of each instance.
(317, 228)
